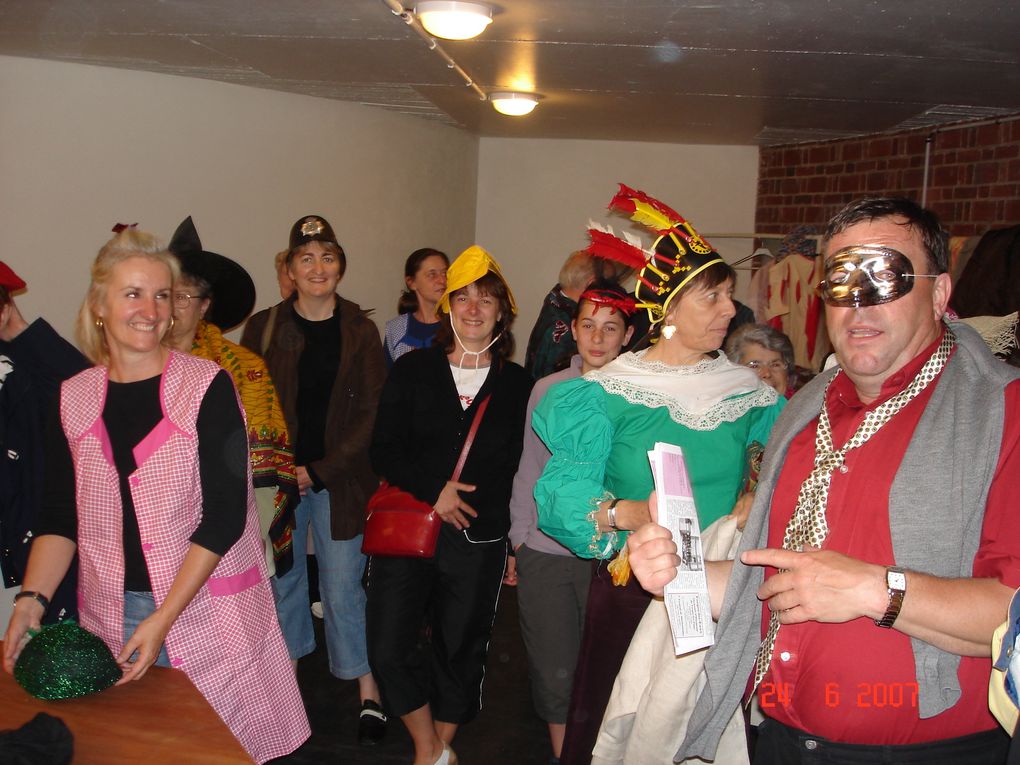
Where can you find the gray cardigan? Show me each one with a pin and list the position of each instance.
(966, 407)
(523, 512)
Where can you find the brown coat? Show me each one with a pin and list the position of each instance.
(346, 469)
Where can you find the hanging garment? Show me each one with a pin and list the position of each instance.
(758, 289)
(990, 284)
(795, 308)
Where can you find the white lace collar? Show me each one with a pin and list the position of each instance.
(699, 396)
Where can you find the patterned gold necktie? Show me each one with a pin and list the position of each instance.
(808, 525)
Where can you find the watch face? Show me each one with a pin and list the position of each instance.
(896, 580)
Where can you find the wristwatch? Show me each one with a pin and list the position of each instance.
(43, 600)
(611, 514)
(896, 582)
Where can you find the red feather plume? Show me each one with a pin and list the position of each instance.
(624, 202)
(609, 247)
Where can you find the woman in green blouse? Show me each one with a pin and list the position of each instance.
(682, 390)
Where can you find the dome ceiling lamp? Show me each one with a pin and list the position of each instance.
(514, 103)
(453, 20)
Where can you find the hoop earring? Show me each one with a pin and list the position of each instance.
(668, 331)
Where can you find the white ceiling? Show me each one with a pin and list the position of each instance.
(723, 71)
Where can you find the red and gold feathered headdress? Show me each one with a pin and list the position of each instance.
(677, 255)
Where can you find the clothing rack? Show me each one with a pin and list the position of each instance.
(759, 236)
(754, 254)
(726, 235)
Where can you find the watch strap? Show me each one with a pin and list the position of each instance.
(43, 600)
(896, 595)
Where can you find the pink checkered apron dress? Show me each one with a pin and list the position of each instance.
(228, 639)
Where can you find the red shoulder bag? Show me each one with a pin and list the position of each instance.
(400, 524)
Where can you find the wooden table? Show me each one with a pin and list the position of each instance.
(161, 718)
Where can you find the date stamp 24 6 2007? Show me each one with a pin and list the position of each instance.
(862, 695)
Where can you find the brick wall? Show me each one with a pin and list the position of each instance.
(973, 176)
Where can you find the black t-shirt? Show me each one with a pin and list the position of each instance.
(317, 371)
(130, 413)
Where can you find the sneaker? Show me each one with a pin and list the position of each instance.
(371, 723)
(317, 609)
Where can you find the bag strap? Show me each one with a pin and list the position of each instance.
(267, 333)
(470, 438)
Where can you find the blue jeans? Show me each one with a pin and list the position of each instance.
(137, 607)
(341, 566)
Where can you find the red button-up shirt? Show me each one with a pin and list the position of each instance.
(855, 682)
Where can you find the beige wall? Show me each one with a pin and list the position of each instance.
(535, 198)
(83, 147)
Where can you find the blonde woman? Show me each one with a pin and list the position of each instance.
(151, 450)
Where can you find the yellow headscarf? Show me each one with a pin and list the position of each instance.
(470, 266)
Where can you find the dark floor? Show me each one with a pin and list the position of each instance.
(506, 732)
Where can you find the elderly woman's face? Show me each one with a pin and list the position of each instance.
(701, 317)
(769, 365)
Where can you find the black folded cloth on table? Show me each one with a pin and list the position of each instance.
(43, 740)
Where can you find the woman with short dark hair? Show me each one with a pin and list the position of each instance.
(600, 428)
(429, 619)
(552, 582)
(326, 360)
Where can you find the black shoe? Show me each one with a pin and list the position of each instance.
(371, 723)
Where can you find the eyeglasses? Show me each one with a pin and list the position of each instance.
(774, 366)
(183, 299)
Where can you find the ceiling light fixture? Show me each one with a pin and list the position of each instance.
(453, 20)
(409, 18)
(513, 102)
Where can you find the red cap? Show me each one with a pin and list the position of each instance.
(9, 279)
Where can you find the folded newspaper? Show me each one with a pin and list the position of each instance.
(686, 596)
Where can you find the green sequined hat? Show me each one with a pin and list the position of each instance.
(64, 661)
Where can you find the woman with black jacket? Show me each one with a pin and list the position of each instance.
(327, 363)
(428, 404)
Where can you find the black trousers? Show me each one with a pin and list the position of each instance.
(428, 625)
(780, 744)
